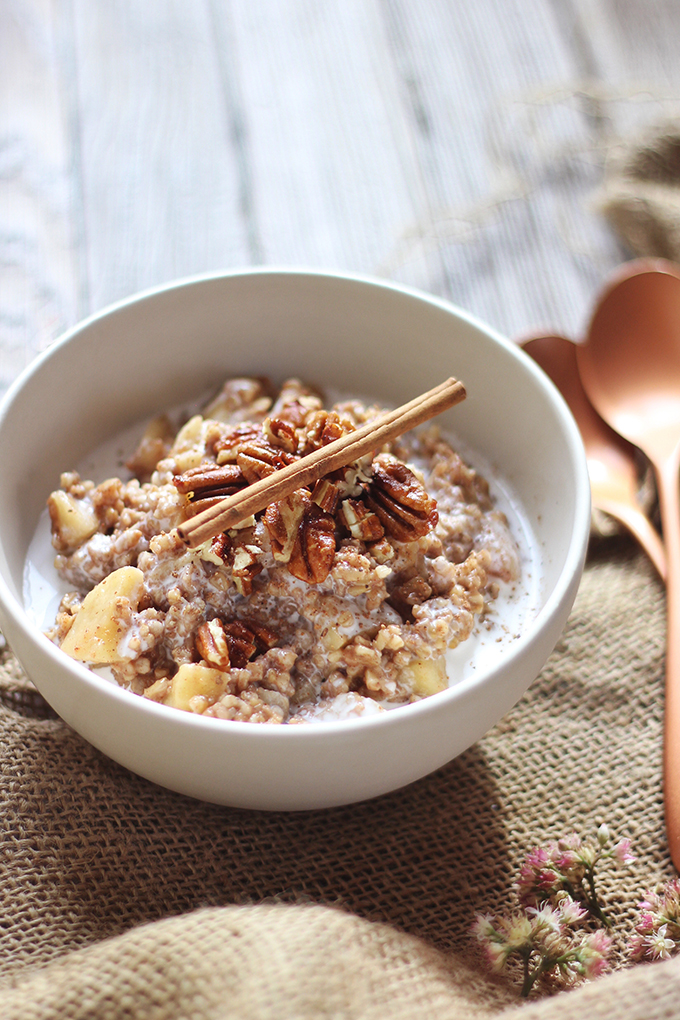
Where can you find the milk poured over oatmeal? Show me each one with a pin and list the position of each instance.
(374, 588)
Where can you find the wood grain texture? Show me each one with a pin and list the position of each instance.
(457, 148)
(38, 279)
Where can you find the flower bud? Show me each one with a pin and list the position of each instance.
(603, 835)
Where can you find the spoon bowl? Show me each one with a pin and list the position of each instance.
(630, 363)
(630, 368)
(612, 460)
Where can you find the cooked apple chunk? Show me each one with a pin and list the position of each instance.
(429, 676)
(195, 687)
(103, 619)
(73, 520)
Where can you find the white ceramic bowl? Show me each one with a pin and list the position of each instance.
(163, 347)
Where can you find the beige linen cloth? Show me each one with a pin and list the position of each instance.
(121, 899)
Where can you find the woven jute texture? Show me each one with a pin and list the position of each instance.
(121, 899)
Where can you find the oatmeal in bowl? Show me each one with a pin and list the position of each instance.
(339, 600)
(500, 564)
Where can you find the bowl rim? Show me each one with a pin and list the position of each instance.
(572, 566)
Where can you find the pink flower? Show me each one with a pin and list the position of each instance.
(496, 955)
(621, 852)
(571, 912)
(566, 853)
(636, 946)
(594, 954)
(572, 841)
(483, 928)
(537, 880)
(556, 888)
(645, 923)
(545, 918)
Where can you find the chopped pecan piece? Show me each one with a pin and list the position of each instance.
(323, 427)
(413, 591)
(232, 644)
(242, 646)
(263, 637)
(245, 566)
(280, 433)
(295, 402)
(240, 399)
(400, 501)
(259, 459)
(211, 644)
(220, 546)
(154, 445)
(326, 495)
(381, 551)
(362, 523)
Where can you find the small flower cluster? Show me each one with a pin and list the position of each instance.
(557, 894)
(569, 865)
(657, 932)
(545, 941)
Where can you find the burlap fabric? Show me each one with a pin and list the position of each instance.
(120, 899)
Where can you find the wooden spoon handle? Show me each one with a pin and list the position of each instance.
(669, 501)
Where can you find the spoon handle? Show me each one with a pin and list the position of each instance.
(640, 528)
(669, 502)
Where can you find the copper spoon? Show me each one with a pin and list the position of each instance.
(630, 368)
(611, 459)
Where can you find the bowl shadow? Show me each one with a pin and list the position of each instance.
(104, 850)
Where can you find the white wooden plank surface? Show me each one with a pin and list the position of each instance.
(335, 175)
(455, 147)
(159, 178)
(38, 286)
(489, 80)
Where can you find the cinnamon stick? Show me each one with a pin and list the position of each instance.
(228, 512)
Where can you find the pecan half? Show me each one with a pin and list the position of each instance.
(207, 481)
(399, 500)
(302, 535)
(314, 549)
(226, 446)
(259, 459)
(282, 520)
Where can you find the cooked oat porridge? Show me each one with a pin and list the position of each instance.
(342, 599)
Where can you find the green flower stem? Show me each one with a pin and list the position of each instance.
(546, 963)
(592, 900)
(529, 978)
